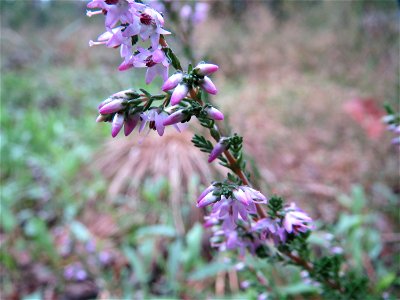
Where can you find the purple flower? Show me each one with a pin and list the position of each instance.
(130, 123)
(158, 65)
(207, 85)
(214, 113)
(207, 197)
(296, 220)
(117, 124)
(179, 93)
(270, 229)
(204, 69)
(75, 271)
(253, 195)
(230, 210)
(218, 149)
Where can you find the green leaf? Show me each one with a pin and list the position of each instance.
(358, 197)
(136, 263)
(297, 289)
(174, 258)
(80, 231)
(193, 241)
(209, 270)
(157, 230)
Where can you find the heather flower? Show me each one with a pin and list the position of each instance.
(175, 117)
(179, 93)
(207, 197)
(207, 85)
(218, 149)
(270, 229)
(156, 119)
(204, 69)
(157, 64)
(230, 210)
(214, 113)
(130, 123)
(115, 38)
(111, 107)
(172, 82)
(117, 124)
(115, 10)
(151, 26)
(253, 195)
(296, 220)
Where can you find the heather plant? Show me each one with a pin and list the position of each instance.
(241, 218)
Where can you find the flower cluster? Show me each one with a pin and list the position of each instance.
(126, 22)
(233, 218)
(128, 109)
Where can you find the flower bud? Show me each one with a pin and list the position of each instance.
(172, 82)
(111, 107)
(205, 192)
(214, 113)
(117, 123)
(130, 124)
(205, 69)
(207, 200)
(219, 148)
(174, 118)
(126, 95)
(208, 86)
(101, 118)
(108, 100)
(179, 93)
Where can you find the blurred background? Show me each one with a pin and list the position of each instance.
(84, 216)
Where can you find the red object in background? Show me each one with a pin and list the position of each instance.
(368, 114)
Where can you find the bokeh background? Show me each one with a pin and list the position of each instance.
(84, 216)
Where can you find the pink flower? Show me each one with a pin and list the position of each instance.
(218, 149)
(172, 82)
(207, 197)
(179, 93)
(111, 107)
(204, 69)
(207, 85)
(113, 39)
(156, 119)
(117, 124)
(214, 113)
(151, 26)
(296, 220)
(157, 64)
(175, 117)
(115, 10)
